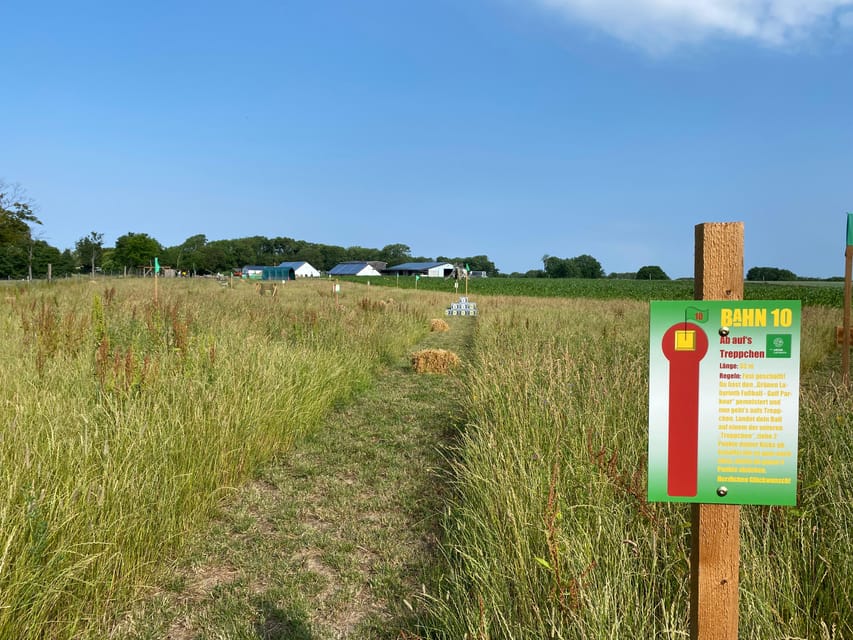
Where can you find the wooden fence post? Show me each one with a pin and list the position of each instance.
(715, 528)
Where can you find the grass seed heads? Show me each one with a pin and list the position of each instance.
(437, 324)
(434, 361)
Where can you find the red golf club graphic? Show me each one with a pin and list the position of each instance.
(684, 345)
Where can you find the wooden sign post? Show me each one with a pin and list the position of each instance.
(845, 330)
(723, 416)
(715, 528)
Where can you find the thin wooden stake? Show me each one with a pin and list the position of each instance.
(715, 530)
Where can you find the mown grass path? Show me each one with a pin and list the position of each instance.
(337, 539)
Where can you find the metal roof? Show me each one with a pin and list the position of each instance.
(348, 268)
(417, 266)
(293, 265)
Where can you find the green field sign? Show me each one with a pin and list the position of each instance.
(724, 383)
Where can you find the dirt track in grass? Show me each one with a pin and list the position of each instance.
(338, 539)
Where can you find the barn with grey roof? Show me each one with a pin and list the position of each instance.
(424, 269)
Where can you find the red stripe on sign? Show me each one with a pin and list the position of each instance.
(684, 345)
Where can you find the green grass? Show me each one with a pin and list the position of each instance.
(130, 426)
(337, 538)
(828, 294)
(549, 534)
(125, 420)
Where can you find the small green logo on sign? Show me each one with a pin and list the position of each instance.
(778, 345)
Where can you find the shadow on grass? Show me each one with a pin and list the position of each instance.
(279, 624)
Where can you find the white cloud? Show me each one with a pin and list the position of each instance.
(663, 24)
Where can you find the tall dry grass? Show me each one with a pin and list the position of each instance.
(125, 421)
(549, 534)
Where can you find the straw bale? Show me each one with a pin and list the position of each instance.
(434, 361)
(437, 324)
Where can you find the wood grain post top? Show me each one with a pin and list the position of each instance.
(718, 268)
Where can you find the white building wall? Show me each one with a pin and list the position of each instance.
(307, 271)
(438, 272)
(368, 271)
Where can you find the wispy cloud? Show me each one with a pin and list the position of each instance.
(663, 24)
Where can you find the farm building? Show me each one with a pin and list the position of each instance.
(425, 269)
(255, 272)
(301, 269)
(354, 269)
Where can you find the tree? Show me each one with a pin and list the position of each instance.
(41, 254)
(330, 256)
(190, 253)
(587, 267)
(555, 267)
(16, 215)
(363, 253)
(481, 263)
(16, 237)
(281, 249)
(214, 258)
(474, 263)
(32, 260)
(651, 272)
(65, 265)
(108, 265)
(396, 254)
(89, 249)
(582, 266)
(135, 250)
(772, 274)
(247, 251)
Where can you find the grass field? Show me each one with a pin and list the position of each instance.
(128, 422)
(126, 419)
(550, 534)
(821, 293)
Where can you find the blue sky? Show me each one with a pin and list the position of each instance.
(514, 128)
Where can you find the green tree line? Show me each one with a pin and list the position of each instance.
(23, 254)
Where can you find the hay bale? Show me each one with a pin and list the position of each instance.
(436, 324)
(434, 361)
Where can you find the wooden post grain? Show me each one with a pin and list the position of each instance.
(715, 529)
